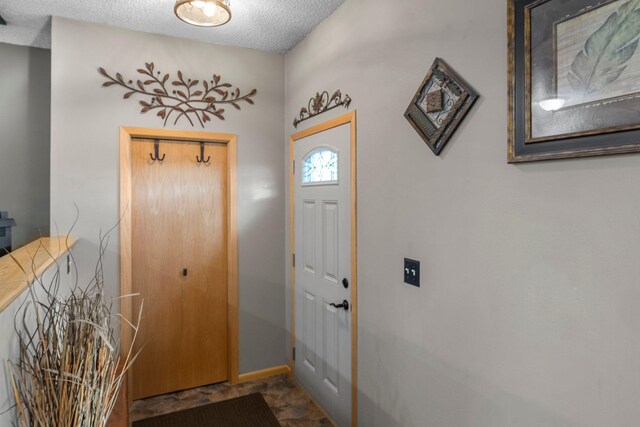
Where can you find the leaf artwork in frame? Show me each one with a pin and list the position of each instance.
(574, 78)
(197, 101)
(607, 50)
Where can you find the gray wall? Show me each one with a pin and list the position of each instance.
(527, 314)
(25, 100)
(85, 166)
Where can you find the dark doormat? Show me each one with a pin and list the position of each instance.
(245, 411)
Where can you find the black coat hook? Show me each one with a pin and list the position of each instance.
(156, 149)
(200, 159)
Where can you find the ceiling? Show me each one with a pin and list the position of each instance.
(269, 25)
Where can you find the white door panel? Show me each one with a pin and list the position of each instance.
(331, 355)
(322, 230)
(309, 236)
(330, 250)
(309, 334)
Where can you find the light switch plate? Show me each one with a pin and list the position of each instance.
(412, 272)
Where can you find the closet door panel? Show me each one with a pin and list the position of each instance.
(179, 263)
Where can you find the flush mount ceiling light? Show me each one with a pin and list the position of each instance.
(203, 13)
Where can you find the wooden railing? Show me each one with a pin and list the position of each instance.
(22, 266)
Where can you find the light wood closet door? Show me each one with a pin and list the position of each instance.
(179, 221)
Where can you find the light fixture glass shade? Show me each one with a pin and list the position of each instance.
(203, 13)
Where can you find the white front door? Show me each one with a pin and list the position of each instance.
(322, 232)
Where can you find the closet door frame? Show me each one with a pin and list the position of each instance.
(126, 304)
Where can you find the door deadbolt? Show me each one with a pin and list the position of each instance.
(345, 283)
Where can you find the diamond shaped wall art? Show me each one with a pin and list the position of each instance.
(439, 106)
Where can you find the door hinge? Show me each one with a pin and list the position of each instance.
(293, 259)
(294, 353)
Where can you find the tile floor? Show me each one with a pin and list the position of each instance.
(290, 404)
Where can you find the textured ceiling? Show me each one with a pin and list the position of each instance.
(269, 25)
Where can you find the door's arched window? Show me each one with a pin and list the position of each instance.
(320, 167)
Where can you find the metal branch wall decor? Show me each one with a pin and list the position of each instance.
(196, 101)
(321, 103)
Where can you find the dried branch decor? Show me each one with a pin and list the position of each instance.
(70, 369)
(321, 103)
(181, 97)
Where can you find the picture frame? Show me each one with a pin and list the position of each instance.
(440, 105)
(574, 78)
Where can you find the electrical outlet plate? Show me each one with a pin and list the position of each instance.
(412, 272)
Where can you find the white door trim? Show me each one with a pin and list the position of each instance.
(348, 118)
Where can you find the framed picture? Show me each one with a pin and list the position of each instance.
(574, 78)
(439, 106)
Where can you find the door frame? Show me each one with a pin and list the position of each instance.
(348, 118)
(126, 286)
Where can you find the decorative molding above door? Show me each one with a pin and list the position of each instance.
(321, 103)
